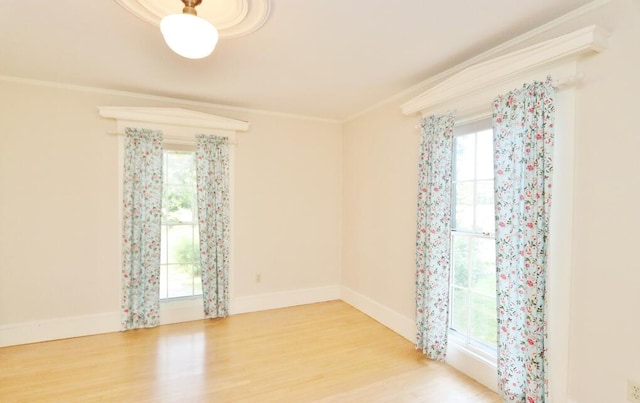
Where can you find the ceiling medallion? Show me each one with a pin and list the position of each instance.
(232, 18)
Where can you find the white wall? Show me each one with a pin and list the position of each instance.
(605, 343)
(59, 264)
(379, 216)
(288, 204)
(380, 154)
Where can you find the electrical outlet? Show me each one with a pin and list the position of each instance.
(258, 278)
(633, 391)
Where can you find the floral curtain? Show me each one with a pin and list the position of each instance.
(142, 198)
(433, 241)
(523, 125)
(212, 166)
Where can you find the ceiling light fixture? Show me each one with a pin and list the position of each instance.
(187, 34)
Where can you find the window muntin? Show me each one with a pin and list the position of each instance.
(473, 318)
(180, 260)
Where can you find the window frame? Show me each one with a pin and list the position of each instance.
(466, 341)
(468, 89)
(170, 147)
(179, 127)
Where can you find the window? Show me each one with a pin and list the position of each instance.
(473, 318)
(179, 127)
(179, 264)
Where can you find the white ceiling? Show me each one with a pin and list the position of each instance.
(322, 58)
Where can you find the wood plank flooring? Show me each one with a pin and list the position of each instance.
(327, 352)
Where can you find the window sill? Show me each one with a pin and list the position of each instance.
(473, 362)
(180, 299)
(181, 309)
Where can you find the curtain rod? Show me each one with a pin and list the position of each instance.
(559, 84)
(170, 139)
(567, 82)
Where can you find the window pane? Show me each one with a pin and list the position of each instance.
(180, 280)
(196, 244)
(485, 212)
(483, 267)
(181, 244)
(463, 220)
(464, 157)
(163, 281)
(473, 278)
(459, 310)
(163, 245)
(180, 274)
(460, 261)
(165, 167)
(180, 168)
(197, 280)
(484, 322)
(178, 203)
(484, 150)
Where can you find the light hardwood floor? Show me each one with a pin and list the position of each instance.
(327, 352)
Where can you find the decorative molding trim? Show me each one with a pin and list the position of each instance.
(176, 311)
(232, 18)
(172, 116)
(395, 321)
(510, 44)
(263, 302)
(59, 328)
(158, 98)
(505, 68)
(184, 310)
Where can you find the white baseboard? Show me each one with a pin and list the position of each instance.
(183, 310)
(283, 299)
(395, 321)
(191, 309)
(60, 328)
(180, 310)
(462, 360)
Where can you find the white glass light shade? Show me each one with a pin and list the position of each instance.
(188, 35)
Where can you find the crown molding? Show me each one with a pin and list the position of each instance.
(508, 45)
(500, 69)
(160, 98)
(173, 116)
(505, 46)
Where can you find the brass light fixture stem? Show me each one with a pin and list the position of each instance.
(190, 6)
